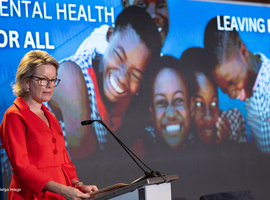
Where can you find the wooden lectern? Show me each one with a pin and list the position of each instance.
(157, 188)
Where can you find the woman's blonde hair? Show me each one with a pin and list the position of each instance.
(27, 68)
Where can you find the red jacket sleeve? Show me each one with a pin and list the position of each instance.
(68, 166)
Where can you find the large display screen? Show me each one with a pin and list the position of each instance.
(198, 108)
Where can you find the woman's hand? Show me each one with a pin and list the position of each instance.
(71, 193)
(87, 188)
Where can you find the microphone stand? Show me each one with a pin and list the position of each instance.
(147, 174)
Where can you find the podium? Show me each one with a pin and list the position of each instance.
(157, 188)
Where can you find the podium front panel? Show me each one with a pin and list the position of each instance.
(128, 196)
(158, 192)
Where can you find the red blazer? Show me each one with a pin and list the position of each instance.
(36, 152)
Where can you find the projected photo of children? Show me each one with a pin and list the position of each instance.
(242, 75)
(101, 86)
(212, 126)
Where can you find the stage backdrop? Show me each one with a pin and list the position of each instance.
(205, 166)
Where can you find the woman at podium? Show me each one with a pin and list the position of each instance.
(32, 136)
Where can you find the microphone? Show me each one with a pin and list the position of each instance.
(83, 123)
(147, 174)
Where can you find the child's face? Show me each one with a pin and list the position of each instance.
(124, 62)
(171, 107)
(234, 77)
(206, 109)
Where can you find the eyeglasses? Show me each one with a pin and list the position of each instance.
(45, 81)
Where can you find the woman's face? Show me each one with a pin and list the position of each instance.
(124, 62)
(171, 107)
(39, 93)
(206, 108)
